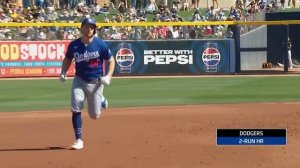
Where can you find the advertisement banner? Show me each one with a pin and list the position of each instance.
(44, 58)
(32, 58)
(173, 57)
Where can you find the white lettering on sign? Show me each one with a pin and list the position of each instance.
(160, 57)
(42, 51)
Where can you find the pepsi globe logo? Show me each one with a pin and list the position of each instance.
(211, 56)
(125, 57)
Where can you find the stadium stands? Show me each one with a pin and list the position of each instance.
(110, 12)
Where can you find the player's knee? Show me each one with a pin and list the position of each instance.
(94, 116)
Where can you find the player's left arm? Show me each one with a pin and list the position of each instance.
(111, 66)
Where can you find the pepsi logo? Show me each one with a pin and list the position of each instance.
(124, 57)
(211, 56)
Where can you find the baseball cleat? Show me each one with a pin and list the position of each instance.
(78, 144)
(104, 103)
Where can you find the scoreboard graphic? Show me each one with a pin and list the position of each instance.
(251, 137)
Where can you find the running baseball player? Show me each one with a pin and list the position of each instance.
(89, 53)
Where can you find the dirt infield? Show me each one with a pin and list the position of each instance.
(152, 137)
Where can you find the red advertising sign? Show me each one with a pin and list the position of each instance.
(32, 58)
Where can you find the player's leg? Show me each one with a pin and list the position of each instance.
(94, 99)
(290, 59)
(77, 103)
(104, 101)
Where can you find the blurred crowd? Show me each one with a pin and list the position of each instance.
(127, 11)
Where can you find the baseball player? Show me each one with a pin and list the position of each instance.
(89, 53)
(290, 53)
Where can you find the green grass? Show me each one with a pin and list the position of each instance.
(186, 15)
(289, 10)
(24, 95)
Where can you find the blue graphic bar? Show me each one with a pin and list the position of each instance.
(251, 141)
(31, 64)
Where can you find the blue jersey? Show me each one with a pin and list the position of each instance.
(89, 59)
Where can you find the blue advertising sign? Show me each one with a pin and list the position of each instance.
(173, 57)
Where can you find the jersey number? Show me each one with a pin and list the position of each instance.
(94, 63)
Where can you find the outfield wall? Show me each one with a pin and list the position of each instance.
(186, 57)
(277, 36)
(174, 57)
(254, 49)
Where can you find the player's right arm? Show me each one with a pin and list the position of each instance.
(64, 69)
(66, 64)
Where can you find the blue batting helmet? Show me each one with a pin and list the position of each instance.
(89, 21)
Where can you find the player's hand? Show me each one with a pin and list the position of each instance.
(105, 80)
(63, 77)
